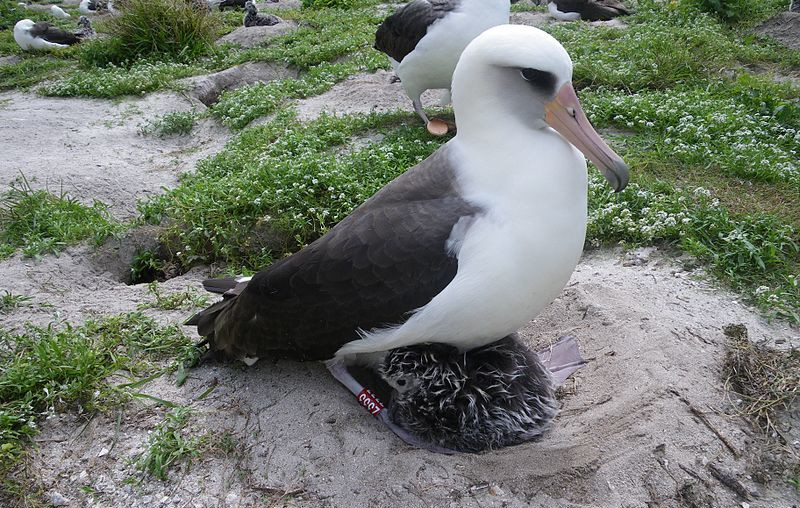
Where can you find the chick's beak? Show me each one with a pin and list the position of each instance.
(565, 115)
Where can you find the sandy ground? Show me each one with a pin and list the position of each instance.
(91, 147)
(625, 437)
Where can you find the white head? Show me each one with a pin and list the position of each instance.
(521, 77)
(22, 34)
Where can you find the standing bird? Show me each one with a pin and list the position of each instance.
(425, 38)
(253, 18)
(42, 35)
(463, 249)
(588, 10)
(58, 12)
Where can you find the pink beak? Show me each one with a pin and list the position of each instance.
(565, 115)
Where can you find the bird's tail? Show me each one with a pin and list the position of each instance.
(205, 320)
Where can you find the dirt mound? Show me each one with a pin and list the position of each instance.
(92, 149)
(209, 87)
(784, 28)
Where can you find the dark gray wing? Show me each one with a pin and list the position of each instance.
(384, 260)
(399, 34)
(53, 34)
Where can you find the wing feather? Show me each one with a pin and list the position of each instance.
(399, 34)
(388, 258)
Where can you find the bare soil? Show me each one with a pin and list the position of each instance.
(784, 28)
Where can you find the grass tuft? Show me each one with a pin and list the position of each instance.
(170, 444)
(188, 299)
(178, 123)
(172, 30)
(39, 222)
(9, 301)
(48, 369)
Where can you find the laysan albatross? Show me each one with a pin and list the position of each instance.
(43, 35)
(425, 38)
(463, 249)
(587, 10)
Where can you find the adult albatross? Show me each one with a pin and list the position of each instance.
(425, 38)
(462, 249)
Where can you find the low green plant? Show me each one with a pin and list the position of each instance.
(38, 221)
(31, 70)
(646, 54)
(10, 301)
(147, 266)
(187, 299)
(237, 108)
(737, 128)
(113, 81)
(756, 254)
(175, 123)
(328, 4)
(169, 444)
(737, 11)
(277, 187)
(45, 369)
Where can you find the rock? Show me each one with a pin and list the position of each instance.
(537, 19)
(250, 37)
(56, 499)
(208, 88)
(9, 60)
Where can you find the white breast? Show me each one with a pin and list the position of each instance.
(514, 259)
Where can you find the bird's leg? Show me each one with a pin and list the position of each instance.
(436, 127)
(418, 108)
(366, 398)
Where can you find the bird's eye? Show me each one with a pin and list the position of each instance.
(401, 382)
(540, 79)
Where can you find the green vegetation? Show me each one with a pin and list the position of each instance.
(276, 187)
(756, 254)
(738, 11)
(171, 30)
(662, 48)
(321, 4)
(239, 107)
(146, 267)
(9, 301)
(169, 444)
(747, 129)
(114, 81)
(52, 368)
(188, 299)
(177, 123)
(38, 221)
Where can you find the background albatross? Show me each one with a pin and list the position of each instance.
(425, 38)
(462, 249)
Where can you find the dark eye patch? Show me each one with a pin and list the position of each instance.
(543, 80)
